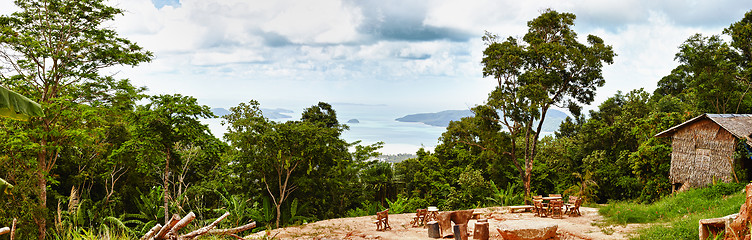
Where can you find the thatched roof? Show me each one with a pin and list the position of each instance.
(739, 125)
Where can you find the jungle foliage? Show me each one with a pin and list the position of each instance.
(106, 157)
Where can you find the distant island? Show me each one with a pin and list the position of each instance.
(441, 119)
(278, 113)
(353, 121)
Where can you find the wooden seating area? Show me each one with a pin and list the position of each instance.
(420, 217)
(513, 209)
(382, 220)
(573, 206)
(556, 207)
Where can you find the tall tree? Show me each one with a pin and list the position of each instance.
(281, 154)
(714, 75)
(548, 68)
(162, 126)
(48, 51)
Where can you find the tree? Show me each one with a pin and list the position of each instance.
(714, 75)
(282, 154)
(49, 50)
(548, 68)
(162, 127)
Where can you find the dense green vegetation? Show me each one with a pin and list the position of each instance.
(100, 162)
(676, 217)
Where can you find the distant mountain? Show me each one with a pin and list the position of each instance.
(441, 119)
(277, 113)
(353, 121)
(220, 111)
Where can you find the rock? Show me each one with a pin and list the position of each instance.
(527, 230)
(353, 121)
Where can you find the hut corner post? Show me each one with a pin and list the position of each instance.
(739, 227)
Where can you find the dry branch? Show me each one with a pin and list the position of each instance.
(204, 230)
(13, 229)
(232, 231)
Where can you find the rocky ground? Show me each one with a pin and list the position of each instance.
(587, 226)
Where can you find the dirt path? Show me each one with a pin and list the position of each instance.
(583, 227)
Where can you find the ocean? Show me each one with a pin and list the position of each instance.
(376, 124)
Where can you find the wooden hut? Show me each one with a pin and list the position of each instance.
(703, 149)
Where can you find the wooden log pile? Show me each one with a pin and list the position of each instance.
(170, 230)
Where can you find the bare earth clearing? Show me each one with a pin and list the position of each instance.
(583, 227)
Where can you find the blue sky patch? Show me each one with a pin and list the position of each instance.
(161, 3)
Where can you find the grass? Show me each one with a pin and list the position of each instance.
(676, 217)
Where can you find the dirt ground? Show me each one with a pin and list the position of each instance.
(587, 226)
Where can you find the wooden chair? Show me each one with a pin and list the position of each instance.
(382, 220)
(540, 211)
(574, 209)
(556, 207)
(554, 195)
(570, 204)
(420, 217)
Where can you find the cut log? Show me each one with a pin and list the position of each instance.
(166, 228)
(151, 232)
(527, 230)
(4, 230)
(739, 227)
(182, 223)
(170, 230)
(433, 229)
(480, 231)
(460, 232)
(204, 230)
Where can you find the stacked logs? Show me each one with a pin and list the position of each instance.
(170, 230)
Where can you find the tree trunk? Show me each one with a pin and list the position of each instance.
(164, 190)
(279, 213)
(41, 220)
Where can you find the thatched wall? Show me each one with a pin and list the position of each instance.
(702, 151)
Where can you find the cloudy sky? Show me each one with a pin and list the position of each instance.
(424, 54)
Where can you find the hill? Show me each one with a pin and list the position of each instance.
(277, 113)
(441, 119)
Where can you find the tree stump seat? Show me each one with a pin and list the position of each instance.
(715, 225)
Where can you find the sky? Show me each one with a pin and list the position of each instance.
(419, 55)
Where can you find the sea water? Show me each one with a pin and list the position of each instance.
(376, 124)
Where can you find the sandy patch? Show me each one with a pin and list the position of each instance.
(583, 227)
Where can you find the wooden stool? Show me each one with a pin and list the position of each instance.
(481, 230)
(433, 229)
(460, 232)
